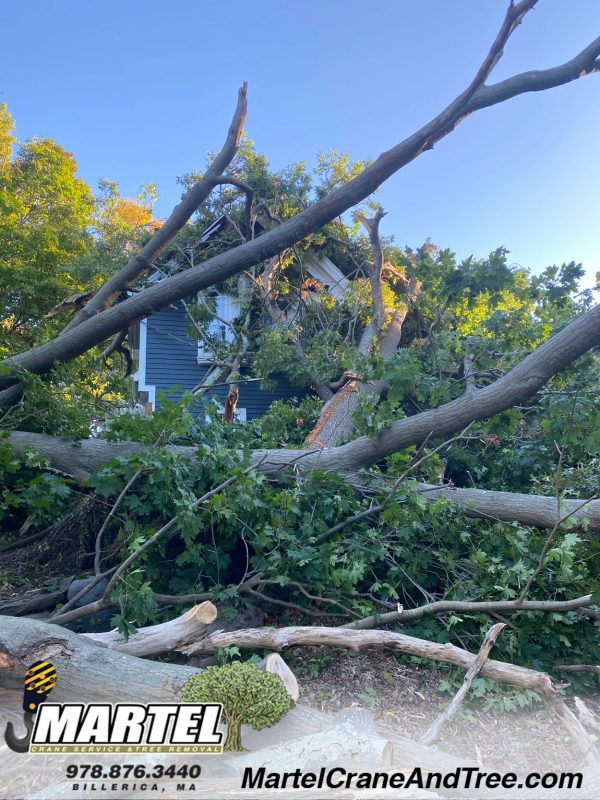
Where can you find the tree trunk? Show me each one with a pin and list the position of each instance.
(81, 459)
(233, 743)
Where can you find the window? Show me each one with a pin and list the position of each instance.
(227, 308)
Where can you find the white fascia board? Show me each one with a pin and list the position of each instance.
(140, 375)
(325, 271)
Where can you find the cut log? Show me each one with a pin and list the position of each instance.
(163, 638)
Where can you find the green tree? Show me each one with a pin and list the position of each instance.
(249, 697)
(44, 231)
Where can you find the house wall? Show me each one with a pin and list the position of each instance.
(171, 360)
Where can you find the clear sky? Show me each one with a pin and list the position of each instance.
(140, 90)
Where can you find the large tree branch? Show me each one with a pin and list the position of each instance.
(279, 638)
(528, 509)
(80, 459)
(517, 386)
(190, 202)
(478, 95)
(583, 605)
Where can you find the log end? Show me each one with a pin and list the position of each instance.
(204, 612)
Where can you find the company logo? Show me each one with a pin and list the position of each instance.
(127, 728)
(110, 728)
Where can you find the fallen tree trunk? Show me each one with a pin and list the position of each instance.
(90, 670)
(86, 672)
(80, 459)
(163, 638)
(35, 600)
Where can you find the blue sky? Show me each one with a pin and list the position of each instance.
(140, 90)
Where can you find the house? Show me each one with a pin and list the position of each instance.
(172, 360)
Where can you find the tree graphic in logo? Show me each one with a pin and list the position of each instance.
(249, 697)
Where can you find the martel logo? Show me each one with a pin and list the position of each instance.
(108, 728)
(127, 728)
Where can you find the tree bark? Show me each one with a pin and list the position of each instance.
(163, 638)
(478, 95)
(91, 669)
(404, 615)
(278, 639)
(528, 509)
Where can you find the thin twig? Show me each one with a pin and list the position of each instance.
(109, 518)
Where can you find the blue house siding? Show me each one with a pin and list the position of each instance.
(171, 360)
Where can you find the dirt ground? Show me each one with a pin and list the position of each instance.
(405, 698)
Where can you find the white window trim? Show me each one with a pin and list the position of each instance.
(140, 375)
(228, 308)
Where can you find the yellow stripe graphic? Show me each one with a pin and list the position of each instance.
(41, 688)
(40, 676)
(37, 667)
